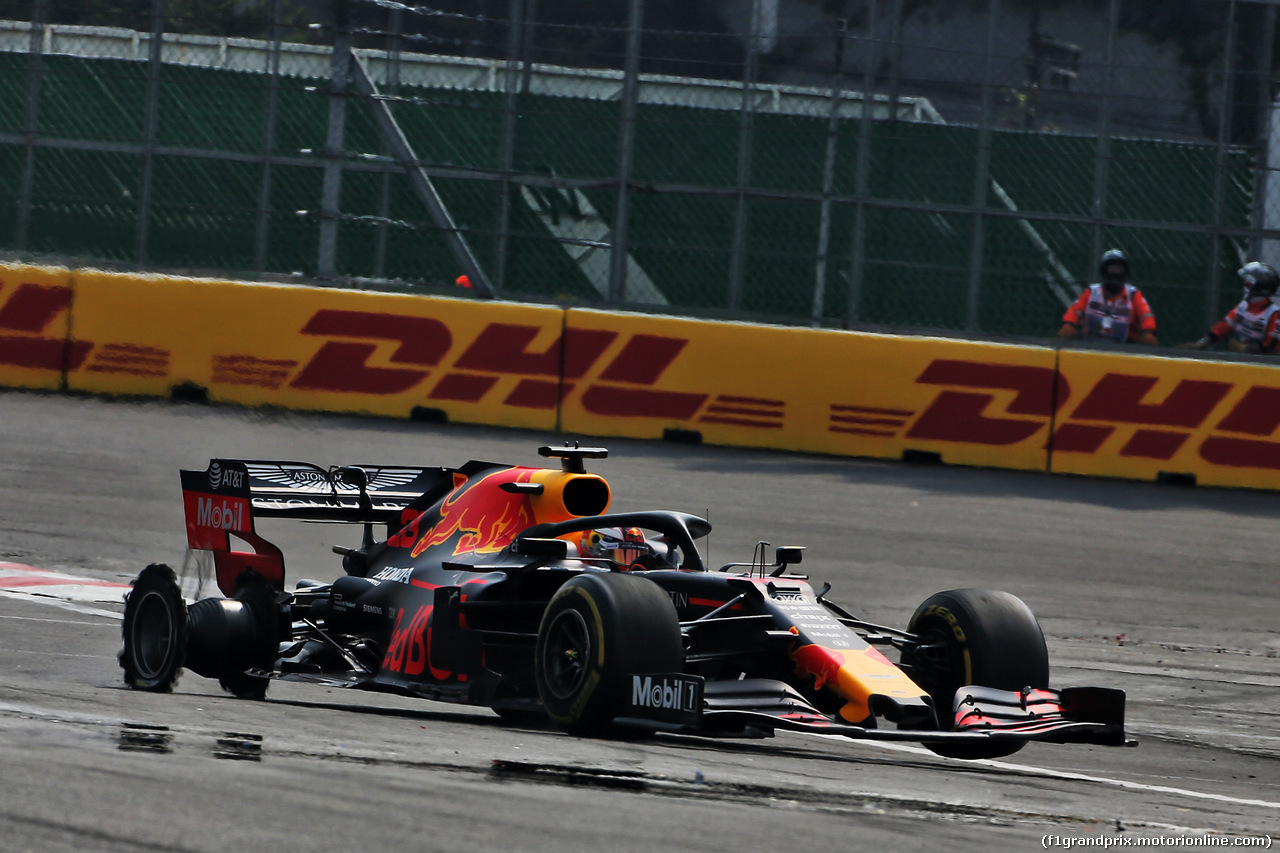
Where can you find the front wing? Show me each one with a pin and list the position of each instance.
(1093, 715)
(686, 704)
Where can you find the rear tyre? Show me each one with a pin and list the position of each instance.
(257, 595)
(975, 637)
(598, 630)
(231, 635)
(244, 686)
(155, 631)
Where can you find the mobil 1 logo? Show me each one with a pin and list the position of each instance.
(670, 697)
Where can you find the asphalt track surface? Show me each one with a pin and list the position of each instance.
(1167, 592)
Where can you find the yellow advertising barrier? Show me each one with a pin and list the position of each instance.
(320, 349)
(1143, 417)
(35, 316)
(810, 390)
(638, 376)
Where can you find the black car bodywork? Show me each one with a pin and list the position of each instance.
(514, 588)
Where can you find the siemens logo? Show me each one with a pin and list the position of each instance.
(665, 694)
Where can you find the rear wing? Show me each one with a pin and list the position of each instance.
(306, 491)
(230, 493)
(225, 498)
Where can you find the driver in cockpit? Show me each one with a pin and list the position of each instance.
(627, 549)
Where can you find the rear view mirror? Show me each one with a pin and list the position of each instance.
(789, 554)
(551, 549)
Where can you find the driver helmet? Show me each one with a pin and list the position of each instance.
(1259, 280)
(1114, 269)
(622, 545)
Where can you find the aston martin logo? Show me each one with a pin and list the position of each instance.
(316, 480)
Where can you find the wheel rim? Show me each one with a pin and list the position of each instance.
(933, 663)
(567, 653)
(153, 634)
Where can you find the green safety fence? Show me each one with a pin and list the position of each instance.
(208, 181)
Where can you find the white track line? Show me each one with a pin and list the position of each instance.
(65, 605)
(1063, 774)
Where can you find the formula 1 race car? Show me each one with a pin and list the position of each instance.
(514, 588)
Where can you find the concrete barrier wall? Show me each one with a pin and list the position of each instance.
(1145, 416)
(36, 347)
(640, 376)
(319, 348)
(815, 390)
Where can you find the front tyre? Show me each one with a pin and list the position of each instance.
(597, 631)
(155, 631)
(977, 637)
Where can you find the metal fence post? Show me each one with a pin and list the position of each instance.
(152, 117)
(746, 123)
(828, 177)
(896, 14)
(331, 191)
(1102, 151)
(31, 124)
(262, 229)
(382, 231)
(626, 153)
(857, 258)
(1220, 167)
(507, 151)
(1266, 56)
(528, 27)
(982, 178)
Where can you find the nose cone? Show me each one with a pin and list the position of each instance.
(872, 684)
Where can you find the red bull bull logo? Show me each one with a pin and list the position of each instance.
(856, 675)
(821, 664)
(483, 517)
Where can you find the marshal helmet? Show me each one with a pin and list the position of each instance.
(1259, 280)
(1114, 269)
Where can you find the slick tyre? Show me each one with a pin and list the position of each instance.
(598, 630)
(155, 631)
(975, 637)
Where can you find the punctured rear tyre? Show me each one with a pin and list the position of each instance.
(228, 636)
(978, 637)
(253, 589)
(154, 630)
(597, 631)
